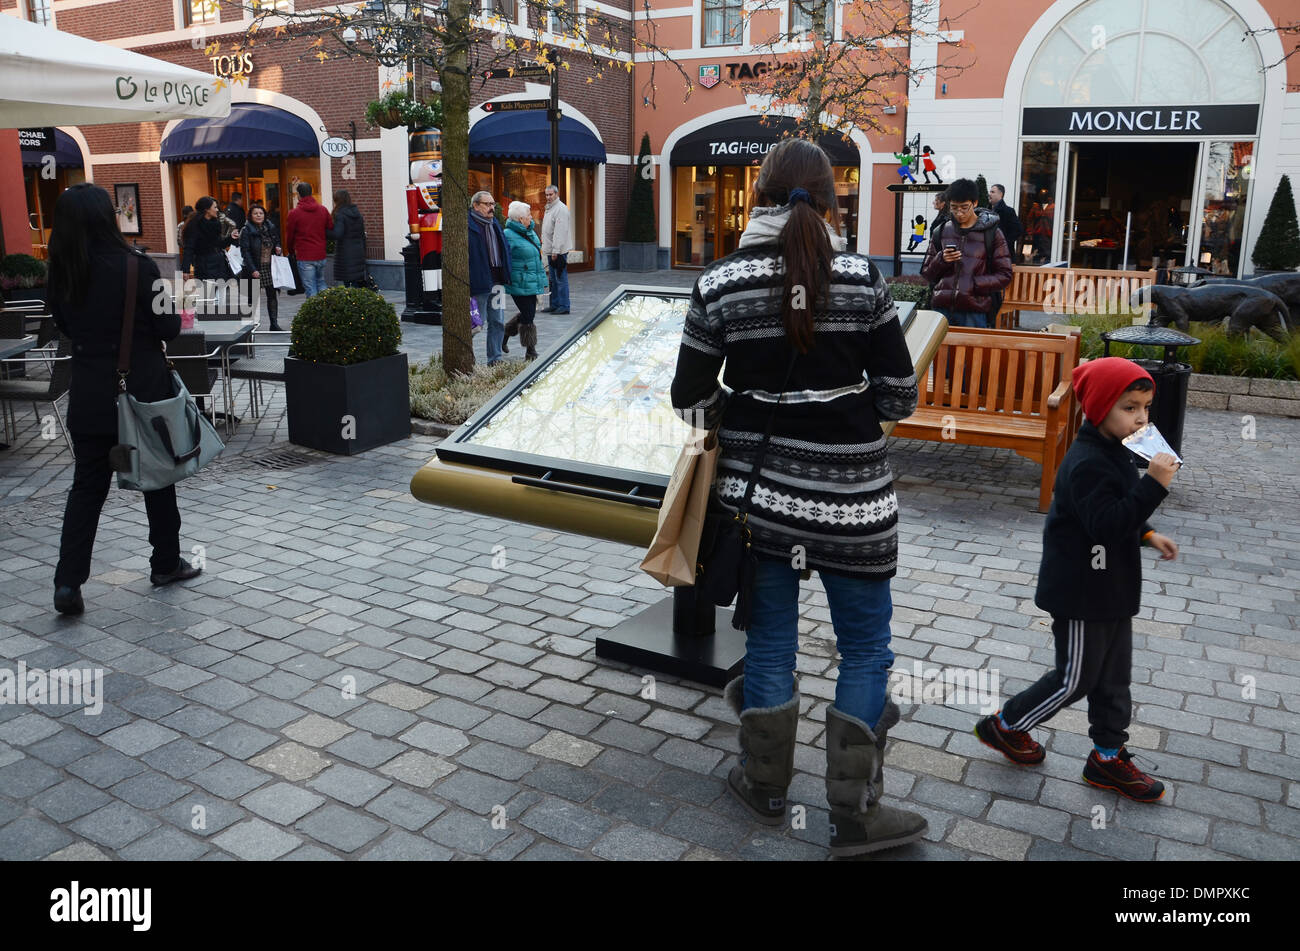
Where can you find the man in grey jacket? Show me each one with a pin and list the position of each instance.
(557, 242)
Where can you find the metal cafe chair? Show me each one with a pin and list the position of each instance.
(192, 359)
(258, 368)
(39, 391)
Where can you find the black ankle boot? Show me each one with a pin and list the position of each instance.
(67, 600)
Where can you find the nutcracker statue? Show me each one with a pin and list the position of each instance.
(423, 253)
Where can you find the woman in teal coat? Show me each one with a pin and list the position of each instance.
(527, 275)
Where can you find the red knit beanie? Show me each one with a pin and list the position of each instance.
(1099, 383)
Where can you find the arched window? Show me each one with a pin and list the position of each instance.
(1149, 52)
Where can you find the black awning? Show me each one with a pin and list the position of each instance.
(252, 130)
(745, 141)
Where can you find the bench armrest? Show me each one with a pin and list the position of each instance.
(1062, 392)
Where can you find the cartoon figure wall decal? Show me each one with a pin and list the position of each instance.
(927, 161)
(905, 165)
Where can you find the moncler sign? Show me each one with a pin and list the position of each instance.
(1142, 121)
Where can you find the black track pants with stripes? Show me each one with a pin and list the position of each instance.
(1094, 659)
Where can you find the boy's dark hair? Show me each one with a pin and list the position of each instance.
(920, 219)
(963, 189)
(1140, 386)
(303, 189)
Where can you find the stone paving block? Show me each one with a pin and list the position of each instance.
(220, 693)
(468, 833)
(28, 729)
(402, 696)
(1112, 841)
(692, 756)
(239, 740)
(988, 840)
(476, 792)
(458, 685)
(316, 730)
(229, 779)
(256, 841)
(514, 702)
(150, 790)
(29, 839)
(559, 779)
(348, 784)
(165, 845)
(284, 684)
(632, 843)
(632, 804)
(404, 847)
(448, 711)
(366, 749)
(418, 769)
(196, 721)
(62, 748)
(102, 769)
(268, 712)
(565, 822)
(435, 739)
(705, 828)
(381, 719)
(690, 787)
(497, 760)
(951, 797)
(1039, 822)
(139, 737)
(920, 759)
(78, 852)
(509, 730)
(1217, 803)
(282, 803)
(405, 808)
(566, 748)
(628, 736)
(775, 847)
(115, 825)
(65, 801)
(568, 719)
(291, 760)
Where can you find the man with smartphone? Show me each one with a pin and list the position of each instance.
(968, 262)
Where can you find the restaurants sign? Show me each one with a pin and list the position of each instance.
(1131, 122)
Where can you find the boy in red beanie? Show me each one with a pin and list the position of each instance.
(1090, 580)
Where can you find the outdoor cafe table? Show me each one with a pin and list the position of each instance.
(12, 348)
(224, 334)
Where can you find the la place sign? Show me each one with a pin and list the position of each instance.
(1142, 121)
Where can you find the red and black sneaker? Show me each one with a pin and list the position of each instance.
(1119, 774)
(1016, 745)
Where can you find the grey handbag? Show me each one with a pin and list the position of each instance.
(158, 443)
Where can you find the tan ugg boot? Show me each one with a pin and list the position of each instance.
(767, 738)
(528, 337)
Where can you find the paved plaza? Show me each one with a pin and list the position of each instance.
(351, 677)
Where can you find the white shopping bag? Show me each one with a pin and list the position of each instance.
(235, 260)
(281, 272)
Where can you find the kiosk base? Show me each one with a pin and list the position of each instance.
(649, 641)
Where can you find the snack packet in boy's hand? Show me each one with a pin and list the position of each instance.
(1148, 443)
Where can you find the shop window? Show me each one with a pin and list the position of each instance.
(1227, 189)
(41, 11)
(562, 16)
(722, 23)
(1038, 201)
(199, 11)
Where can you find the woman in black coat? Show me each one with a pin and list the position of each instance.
(258, 240)
(203, 247)
(87, 287)
(349, 234)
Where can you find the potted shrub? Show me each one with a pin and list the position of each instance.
(22, 277)
(639, 249)
(345, 383)
(396, 109)
(1278, 245)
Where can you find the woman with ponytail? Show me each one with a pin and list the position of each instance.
(813, 349)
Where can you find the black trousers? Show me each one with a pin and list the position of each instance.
(527, 304)
(90, 481)
(1094, 659)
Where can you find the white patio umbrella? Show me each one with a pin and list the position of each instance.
(50, 78)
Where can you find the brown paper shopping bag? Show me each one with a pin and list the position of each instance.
(670, 559)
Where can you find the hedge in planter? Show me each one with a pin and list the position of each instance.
(22, 277)
(346, 387)
(639, 249)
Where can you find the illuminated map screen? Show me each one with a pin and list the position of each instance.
(600, 403)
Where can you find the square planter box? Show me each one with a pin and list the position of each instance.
(638, 255)
(375, 394)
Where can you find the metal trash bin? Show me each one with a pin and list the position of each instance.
(1169, 407)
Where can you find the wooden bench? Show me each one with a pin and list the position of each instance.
(1060, 290)
(1002, 388)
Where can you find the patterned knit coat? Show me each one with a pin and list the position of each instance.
(826, 484)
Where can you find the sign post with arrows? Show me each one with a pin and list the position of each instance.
(551, 105)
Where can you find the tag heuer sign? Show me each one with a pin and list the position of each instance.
(336, 147)
(710, 76)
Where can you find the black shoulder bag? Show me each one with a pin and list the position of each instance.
(726, 566)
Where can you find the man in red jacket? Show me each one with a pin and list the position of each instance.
(304, 237)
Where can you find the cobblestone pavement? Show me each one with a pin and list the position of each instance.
(351, 678)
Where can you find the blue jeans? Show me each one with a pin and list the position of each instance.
(966, 318)
(313, 276)
(559, 277)
(860, 611)
(494, 322)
